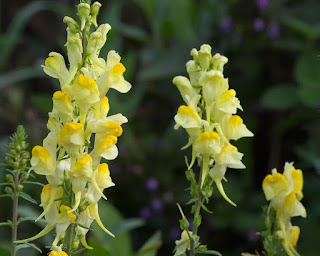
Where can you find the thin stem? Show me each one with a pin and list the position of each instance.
(15, 213)
(196, 213)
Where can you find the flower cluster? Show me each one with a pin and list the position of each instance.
(209, 116)
(79, 116)
(285, 193)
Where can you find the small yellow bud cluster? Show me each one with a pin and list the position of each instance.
(209, 116)
(80, 111)
(285, 193)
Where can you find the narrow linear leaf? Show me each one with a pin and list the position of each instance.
(5, 195)
(22, 219)
(151, 245)
(33, 183)
(27, 197)
(212, 252)
(205, 208)
(5, 184)
(28, 245)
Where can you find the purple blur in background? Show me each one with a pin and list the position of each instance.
(152, 184)
(262, 4)
(226, 24)
(258, 24)
(157, 205)
(274, 30)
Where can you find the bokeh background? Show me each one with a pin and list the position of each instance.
(274, 65)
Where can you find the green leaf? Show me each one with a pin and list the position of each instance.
(212, 252)
(280, 97)
(205, 208)
(307, 72)
(5, 195)
(22, 219)
(33, 183)
(8, 223)
(184, 224)
(27, 197)
(128, 225)
(151, 245)
(28, 245)
(6, 184)
(133, 32)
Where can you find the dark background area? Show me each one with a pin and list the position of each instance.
(274, 65)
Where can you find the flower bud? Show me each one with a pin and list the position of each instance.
(20, 187)
(94, 13)
(15, 165)
(9, 178)
(8, 190)
(24, 177)
(72, 24)
(84, 13)
(18, 148)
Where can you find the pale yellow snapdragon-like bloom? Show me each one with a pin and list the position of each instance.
(185, 243)
(209, 116)
(284, 191)
(80, 111)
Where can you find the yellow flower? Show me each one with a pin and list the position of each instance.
(184, 86)
(185, 243)
(62, 106)
(41, 161)
(228, 157)
(107, 148)
(113, 76)
(79, 174)
(187, 117)
(208, 143)
(71, 137)
(85, 92)
(104, 107)
(234, 128)
(274, 185)
(55, 253)
(55, 67)
(228, 102)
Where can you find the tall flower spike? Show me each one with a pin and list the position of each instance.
(68, 158)
(210, 122)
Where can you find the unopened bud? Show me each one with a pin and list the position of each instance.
(184, 224)
(75, 245)
(18, 148)
(24, 177)
(15, 165)
(20, 187)
(13, 152)
(25, 155)
(23, 162)
(8, 190)
(9, 178)
(84, 13)
(72, 24)
(94, 13)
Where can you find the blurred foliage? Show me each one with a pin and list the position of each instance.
(274, 67)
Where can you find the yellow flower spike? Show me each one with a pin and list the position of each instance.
(107, 148)
(104, 107)
(274, 185)
(71, 137)
(93, 208)
(187, 117)
(118, 70)
(41, 161)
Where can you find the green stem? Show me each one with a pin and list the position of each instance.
(196, 213)
(15, 213)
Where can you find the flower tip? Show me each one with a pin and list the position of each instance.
(221, 190)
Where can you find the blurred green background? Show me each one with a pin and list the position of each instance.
(274, 65)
